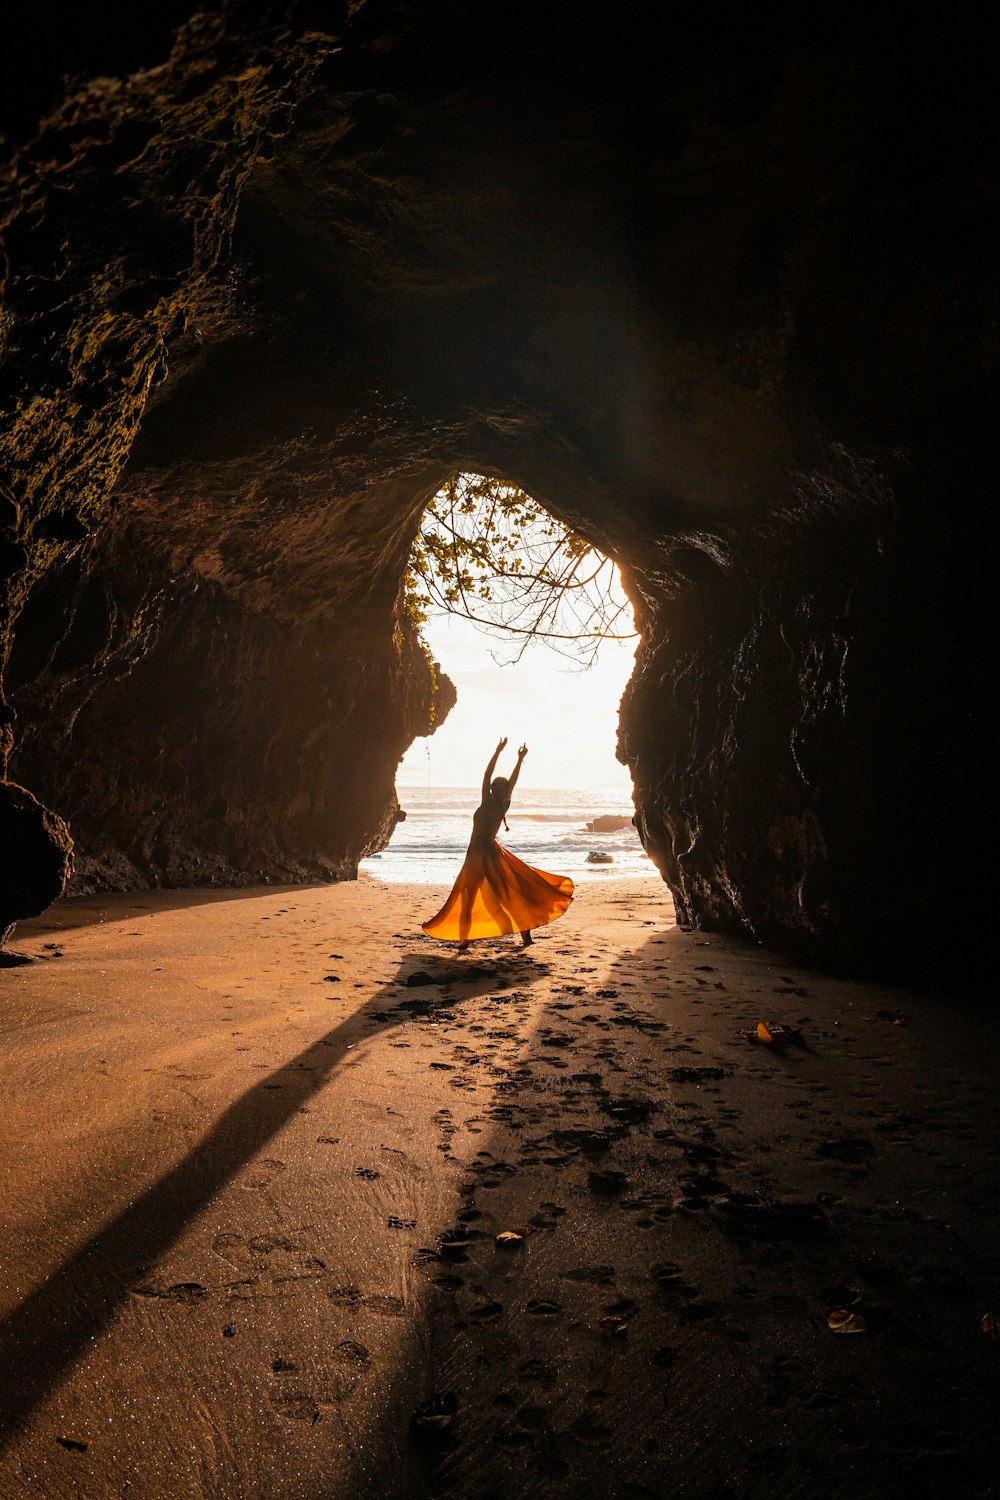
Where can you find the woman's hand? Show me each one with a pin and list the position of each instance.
(502, 744)
(522, 752)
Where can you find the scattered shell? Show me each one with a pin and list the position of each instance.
(454, 1248)
(842, 1320)
(543, 1307)
(508, 1239)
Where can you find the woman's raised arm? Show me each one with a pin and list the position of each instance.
(488, 774)
(517, 769)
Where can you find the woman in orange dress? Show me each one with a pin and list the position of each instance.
(497, 893)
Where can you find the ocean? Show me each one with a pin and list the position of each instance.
(548, 828)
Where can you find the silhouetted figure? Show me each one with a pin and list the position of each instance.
(496, 893)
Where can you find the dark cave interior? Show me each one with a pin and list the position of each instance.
(724, 302)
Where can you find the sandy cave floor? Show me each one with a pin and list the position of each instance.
(254, 1165)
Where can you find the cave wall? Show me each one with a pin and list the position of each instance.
(117, 202)
(727, 306)
(805, 739)
(252, 653)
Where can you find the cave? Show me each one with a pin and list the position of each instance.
(719, 294)
(729, 325)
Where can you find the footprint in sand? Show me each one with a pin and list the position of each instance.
(266, 1256)
(296, 1406)
(486, 1312)
(607, 1184)
(384, 1306)
(588, 1433)
(348, 1352)
(538, 1371)
(354, 1298)
(594, 1275)
(180, 1291)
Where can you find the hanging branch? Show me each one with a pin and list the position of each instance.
(489, 553)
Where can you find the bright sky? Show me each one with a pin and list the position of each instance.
(568, 718)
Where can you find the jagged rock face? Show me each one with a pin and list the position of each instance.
(795, 725)
(257, 652)
(721, 306)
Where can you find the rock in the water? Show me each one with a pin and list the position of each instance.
(36, 856)
(610, 823)
(599, 857)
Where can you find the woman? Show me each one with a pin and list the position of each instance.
(495, 892)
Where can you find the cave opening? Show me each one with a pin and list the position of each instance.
(533, 628)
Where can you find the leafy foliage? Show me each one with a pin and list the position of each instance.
(488, 552)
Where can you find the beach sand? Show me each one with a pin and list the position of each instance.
(258, 1147)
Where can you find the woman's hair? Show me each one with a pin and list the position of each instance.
(500, 787)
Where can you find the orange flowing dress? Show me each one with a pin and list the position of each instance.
(496, 893)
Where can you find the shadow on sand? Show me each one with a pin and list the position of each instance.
(42, 1336)
(88, 911)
